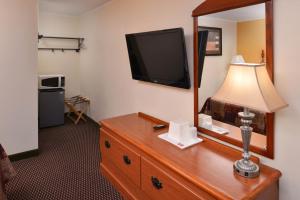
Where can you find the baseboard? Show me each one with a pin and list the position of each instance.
(90, 119)
(24, 155)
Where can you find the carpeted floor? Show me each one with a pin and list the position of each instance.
(67, 167)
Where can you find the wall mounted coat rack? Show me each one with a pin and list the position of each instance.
(79, 40)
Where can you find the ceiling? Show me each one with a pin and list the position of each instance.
(69, 7)
(242, 14)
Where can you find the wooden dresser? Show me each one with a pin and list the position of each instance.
(142, 166)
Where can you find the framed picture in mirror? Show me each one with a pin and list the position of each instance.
(214, 40)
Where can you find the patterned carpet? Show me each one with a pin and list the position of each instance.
(67, 167)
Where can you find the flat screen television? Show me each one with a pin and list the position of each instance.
(202, 43)
(159, 57)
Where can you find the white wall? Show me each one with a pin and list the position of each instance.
(105, 71)
(287, 72)
(215, 67)
(67, 63)
(18, 75)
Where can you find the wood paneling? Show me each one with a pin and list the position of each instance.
(196, 70)
(128, 190)
(270, 67)
(169, 187)
(213, 6)
(126, 160)
(206, 168)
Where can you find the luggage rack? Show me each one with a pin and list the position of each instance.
(72, 103)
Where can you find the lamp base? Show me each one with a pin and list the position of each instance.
(246, 168)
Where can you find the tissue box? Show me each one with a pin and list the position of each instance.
(205, 121)
(182, 134)
(178, 128)
(182, 131)
(189, 136)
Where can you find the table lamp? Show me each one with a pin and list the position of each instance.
(249, 86)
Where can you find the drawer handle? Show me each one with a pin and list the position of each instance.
(156, 183)
(126, 160)
(107, 144)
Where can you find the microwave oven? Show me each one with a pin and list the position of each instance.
(51, 81)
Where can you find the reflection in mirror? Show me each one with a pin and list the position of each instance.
(241, 38)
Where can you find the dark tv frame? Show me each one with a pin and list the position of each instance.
(186, 84)
(202, 42)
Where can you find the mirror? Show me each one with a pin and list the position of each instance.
(234, 36)
(242, 35)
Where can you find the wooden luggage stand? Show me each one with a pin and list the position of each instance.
(72, 103)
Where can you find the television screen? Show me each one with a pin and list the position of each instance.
(202, 42)
(159, 57)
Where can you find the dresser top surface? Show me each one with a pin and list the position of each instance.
(207, 164)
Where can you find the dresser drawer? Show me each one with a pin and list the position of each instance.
(126, 160)
(158, 184)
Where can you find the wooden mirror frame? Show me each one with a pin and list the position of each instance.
(214, 6)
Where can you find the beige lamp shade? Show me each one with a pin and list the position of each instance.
(238, 59)
(250, 86)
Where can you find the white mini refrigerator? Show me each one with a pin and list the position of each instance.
(51, 107)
